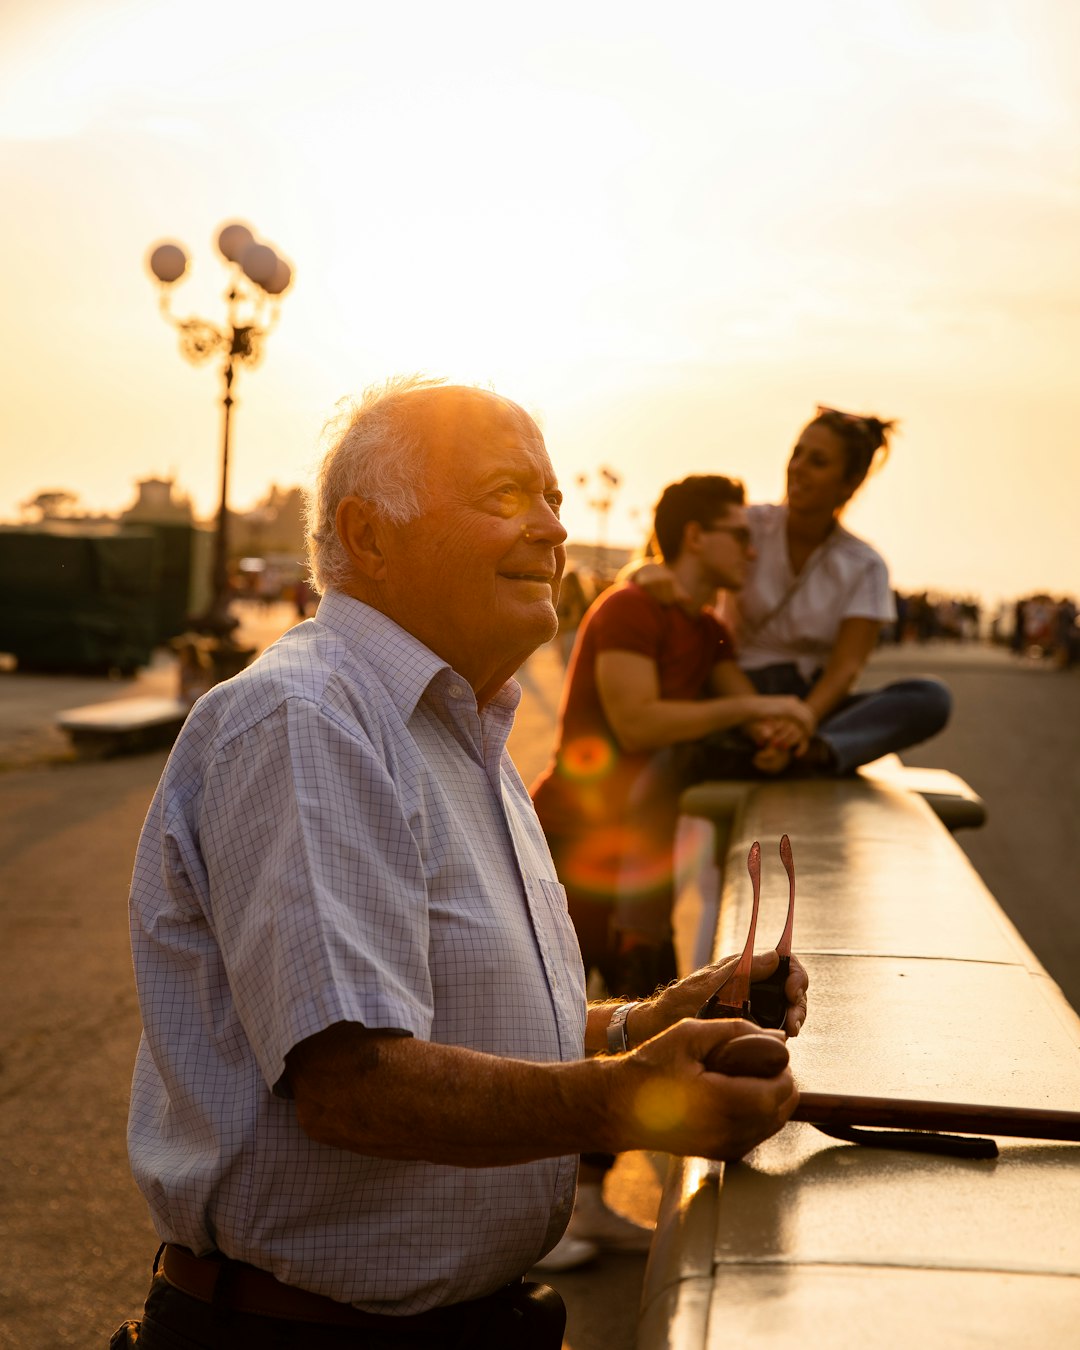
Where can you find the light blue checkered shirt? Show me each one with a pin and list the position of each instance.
(339, 835)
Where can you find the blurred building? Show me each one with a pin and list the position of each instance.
(274, 527)
(156, 503)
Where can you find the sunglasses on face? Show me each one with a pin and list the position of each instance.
(740, 533)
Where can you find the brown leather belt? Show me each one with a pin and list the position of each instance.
(246, 1289)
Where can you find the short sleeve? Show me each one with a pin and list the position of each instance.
(317, 891)
(628, 620)
(871, 596)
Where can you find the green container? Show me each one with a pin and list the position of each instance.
(80, 601)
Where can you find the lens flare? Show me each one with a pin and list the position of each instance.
(661, 1104)
(618, 858)
(587, 758)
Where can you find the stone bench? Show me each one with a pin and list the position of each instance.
(948, 796)
(123, 725)
(921, 989)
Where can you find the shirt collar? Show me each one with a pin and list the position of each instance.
(404, 666)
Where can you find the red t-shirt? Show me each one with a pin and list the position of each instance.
(589, 777)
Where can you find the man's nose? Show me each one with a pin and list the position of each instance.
(541, 522)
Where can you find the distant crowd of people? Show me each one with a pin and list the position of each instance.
(1037, 626)
(922, 616)
(1043, 627)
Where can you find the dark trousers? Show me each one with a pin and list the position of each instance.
(863, 727)
(527, 1317)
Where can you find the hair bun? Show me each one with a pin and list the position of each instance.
(877, 431)
(874, 430)
(862, 436)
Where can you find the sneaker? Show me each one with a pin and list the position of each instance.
(567, 1253)
(594, 1223)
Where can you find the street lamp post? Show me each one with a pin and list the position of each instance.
(602, 503)
(258, 278)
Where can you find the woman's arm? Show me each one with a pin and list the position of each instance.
(855, 640)
(658, 580)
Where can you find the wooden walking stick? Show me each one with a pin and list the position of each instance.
(881, 1122)
(914, 1126)
(1024, 1122)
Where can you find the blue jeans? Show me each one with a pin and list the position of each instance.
(866, 726)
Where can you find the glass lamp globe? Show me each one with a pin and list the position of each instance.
(259, 262)
(234, 240)
(168, 262)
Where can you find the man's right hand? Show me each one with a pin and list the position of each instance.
(665, 1098)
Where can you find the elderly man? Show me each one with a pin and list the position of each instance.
(361, 1088)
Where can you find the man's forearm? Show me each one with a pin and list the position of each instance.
(665, 722)
(397, 1097)
(478, 1110)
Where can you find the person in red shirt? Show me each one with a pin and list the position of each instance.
(647, 684)
(652, 694)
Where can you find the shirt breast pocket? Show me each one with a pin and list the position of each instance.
(561, 948)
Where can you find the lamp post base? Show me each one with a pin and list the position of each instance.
(218, 621)
(206, 658)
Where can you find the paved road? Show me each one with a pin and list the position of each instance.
(74, 1236)
(74, 1233)
(1015, 737)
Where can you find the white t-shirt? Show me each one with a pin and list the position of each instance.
(843, 578)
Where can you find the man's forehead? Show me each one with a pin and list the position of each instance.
(452, 411)
(455, 420)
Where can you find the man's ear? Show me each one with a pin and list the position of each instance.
(691, 536)
(357, 529)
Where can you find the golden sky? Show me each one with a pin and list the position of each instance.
(668, 230)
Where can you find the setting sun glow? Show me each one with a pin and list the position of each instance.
(668, 233)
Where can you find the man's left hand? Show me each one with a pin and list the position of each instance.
(685, 997)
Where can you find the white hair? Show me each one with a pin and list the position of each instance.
(377, 453)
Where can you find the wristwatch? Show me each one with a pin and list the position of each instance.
(617, 1040)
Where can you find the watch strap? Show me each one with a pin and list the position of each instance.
(617, 1040)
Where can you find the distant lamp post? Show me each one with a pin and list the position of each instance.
(601, 502)
(258, 278)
